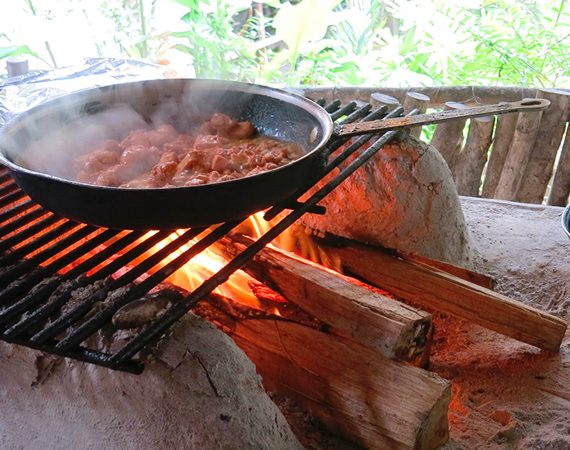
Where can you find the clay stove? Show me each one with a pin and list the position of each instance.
(348, 375)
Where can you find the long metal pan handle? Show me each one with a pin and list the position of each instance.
(375, 126)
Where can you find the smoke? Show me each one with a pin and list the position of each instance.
(49, 138)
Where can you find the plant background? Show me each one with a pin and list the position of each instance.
(307, 42)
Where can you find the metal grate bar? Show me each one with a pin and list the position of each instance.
(7, 189)
(332, 106)
(92, 325)
(19, 208)
(37, 296)
(45, 254)
(63, 322)
(32, 246)
(346, 109)
(46, 310)
(21, 221)
(5, 177)
(35, 228)
(67, 319)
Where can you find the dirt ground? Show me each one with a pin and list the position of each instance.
(509, 395)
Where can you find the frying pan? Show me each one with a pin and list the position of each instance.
(54, 132)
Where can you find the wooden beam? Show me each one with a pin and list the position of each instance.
(355, 391)
(472, 159)
(438, 290)
(352, 308)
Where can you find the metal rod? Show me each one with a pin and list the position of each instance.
(40, 295)
(19, 208)
(21, 221)
(35, 228)
(70, 317)
(64, 321)
(32, 246)
(100, 318)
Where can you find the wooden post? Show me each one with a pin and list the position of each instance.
(517, 158)
(415, 100)
(561, 184)
(378, 100)
(549, 136)
(448, 137)
(504, 132)
(471, 161)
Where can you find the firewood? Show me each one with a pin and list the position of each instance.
(480, 279)
(506, 124)
(471, 161)
(561, 183)
(393, 328)
(415, 100)
(435, 289)
(549, 136)
(378, 100)
(448, 137)
(354, 390)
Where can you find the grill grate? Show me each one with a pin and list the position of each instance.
(44, 259)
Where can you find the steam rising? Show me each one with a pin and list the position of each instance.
(50, 138)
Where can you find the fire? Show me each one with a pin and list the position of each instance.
(238, 287)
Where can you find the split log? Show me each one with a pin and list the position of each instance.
(504, 132)
(561, 184)
(415, 100)
(434, 289)
(352, 389)
(448, 136)
(385, 325)
(539, 168)
(477, 278)
(471, 161)
(517, 158)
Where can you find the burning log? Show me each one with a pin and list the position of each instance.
(355, 390)
(372, 319)
(434, 289)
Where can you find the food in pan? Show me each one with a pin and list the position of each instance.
(225, 149)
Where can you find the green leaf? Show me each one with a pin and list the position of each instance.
(15, 50)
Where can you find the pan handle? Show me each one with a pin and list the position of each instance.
(375, 126)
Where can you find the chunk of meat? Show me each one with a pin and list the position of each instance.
(224, 125)
(227, 149)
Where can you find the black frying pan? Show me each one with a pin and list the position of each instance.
(49, 133)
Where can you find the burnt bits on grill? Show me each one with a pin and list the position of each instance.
(225, 149)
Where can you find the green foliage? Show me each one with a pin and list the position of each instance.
(324, 42)
(15, 50)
